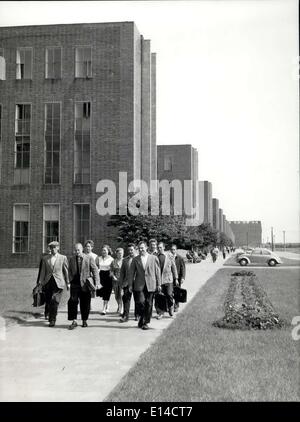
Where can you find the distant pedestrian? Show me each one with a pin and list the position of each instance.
(224, 252)
(214, 253)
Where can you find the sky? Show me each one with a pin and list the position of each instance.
(227, 83)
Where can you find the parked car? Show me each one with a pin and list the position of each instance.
(259, 256)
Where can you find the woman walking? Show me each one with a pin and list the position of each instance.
(104, 263)
(115, 269)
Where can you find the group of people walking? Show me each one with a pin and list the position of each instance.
(140, 274)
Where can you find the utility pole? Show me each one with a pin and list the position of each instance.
(272, 239)
(284, 240)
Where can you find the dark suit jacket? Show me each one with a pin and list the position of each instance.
(124, 273)
(88, 269)
(180, 266)
(138, 276)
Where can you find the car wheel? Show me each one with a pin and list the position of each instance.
(243, 262)
(272, 263)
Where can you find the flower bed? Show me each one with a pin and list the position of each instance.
(247, 305)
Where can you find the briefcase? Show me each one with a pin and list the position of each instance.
(38, 297)
(160, 302)
(99, 292)
(180, 295)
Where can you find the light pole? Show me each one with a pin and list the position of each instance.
(284, 240)
(272, 239)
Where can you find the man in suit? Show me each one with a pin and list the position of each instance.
(123, 280)
(180, 266)
(153, 247)
(168, 275)
(81, 267)
(144, 279)
(53, 276)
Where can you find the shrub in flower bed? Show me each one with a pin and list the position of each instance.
(247, 306)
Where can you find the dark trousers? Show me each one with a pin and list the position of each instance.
(126, 298)
(176, 304)
(84, 299)
(144, 303)
(52, 298)
(168, 290)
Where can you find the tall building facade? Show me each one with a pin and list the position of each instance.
(221, 228)
(77, 105)
(215, 207)
(179, 162)
(205, 202)
(247, 233)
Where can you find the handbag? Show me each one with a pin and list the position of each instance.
(180, 295)
(38, 297)
(160, 302)
(99, 292)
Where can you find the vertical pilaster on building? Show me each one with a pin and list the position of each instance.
(205, 196)
(146, 112)
(220, 220)
(153, 118)
(215, 204)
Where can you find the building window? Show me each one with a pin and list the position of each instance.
(21, 228)
(53, 63)
(82, 143)
(51, 224)
(81, 223)
(24, 63)
(83, 62)
(22, 144)
(2, 65)
(52, 143)
(168, 163)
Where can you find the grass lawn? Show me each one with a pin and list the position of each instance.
(194, 361)
(16, 294)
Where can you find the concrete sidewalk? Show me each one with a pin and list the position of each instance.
(39, 363)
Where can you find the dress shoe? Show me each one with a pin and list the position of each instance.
(103, 312)
(145, 327)
(51, 323)
(73, 325)
(141, 323)
(159, 316)
(171, 313)
(124, 319)
(84, 324)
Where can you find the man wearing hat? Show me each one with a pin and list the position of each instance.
(84, 277)
(53, 277)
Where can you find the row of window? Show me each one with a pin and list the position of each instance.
(51, 225)
(52, 143)
(53, 63)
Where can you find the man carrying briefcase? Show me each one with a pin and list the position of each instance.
(180, 266)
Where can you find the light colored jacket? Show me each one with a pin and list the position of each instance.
(59, 271)
(88, 269)
(138, 276)
(169, 271)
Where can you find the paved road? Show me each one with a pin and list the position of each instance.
(38, 363)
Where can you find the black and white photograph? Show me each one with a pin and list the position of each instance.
(149, 204)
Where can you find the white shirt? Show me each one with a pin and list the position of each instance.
(52, 260)
(93, 255)
(104, 263)
(144, 260)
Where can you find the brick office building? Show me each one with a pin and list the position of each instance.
(77, 105)
(247, 233)
(179, 162)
